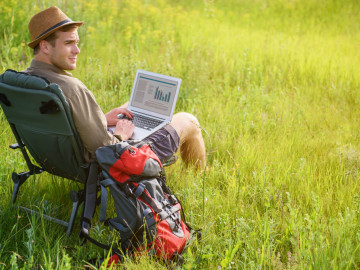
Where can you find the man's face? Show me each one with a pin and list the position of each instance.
(64, 53)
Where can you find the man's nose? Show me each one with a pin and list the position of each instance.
(76, 49)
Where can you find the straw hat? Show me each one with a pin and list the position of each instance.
(47, 22)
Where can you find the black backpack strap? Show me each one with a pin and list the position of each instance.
(90, 198)
(91, 188)
(112, 249)
(103, 204)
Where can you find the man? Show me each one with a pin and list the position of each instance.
(55, 42)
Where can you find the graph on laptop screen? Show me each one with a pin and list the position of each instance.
(155, 94)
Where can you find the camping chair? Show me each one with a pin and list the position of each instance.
(41, 121)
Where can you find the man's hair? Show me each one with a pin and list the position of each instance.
(52, 38)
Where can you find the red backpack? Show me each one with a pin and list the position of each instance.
(149, 217)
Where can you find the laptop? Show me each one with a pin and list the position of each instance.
(152, 102)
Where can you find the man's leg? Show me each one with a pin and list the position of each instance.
(192, 146)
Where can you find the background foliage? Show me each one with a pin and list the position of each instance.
(275, 85)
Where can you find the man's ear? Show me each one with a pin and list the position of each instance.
(44, 46)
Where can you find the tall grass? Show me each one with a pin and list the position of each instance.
(274, 83)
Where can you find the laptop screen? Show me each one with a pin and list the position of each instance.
(154, 94)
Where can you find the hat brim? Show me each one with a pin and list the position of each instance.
(35, 42)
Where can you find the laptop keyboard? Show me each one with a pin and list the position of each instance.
(145, 122)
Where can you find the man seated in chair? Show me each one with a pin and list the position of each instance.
(55, 44)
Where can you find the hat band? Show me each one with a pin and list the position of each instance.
(55, 26)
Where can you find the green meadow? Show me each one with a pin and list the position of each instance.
(275, 86)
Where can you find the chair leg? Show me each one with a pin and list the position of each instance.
(18, 180)
(77, 198)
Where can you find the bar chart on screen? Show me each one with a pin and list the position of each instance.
(159, 95)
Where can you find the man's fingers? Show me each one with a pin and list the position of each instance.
(124, 122)
(128, 113)
(124, 128)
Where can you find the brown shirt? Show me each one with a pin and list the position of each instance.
(88, 117)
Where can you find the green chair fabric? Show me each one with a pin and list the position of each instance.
(39, 113)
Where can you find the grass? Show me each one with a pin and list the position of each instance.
(275, 85)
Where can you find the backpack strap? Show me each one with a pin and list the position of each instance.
(110, 182)
(89, 209)
(103, 203)
(106, 247)
(115, 222)
(173, 199)
(90, 198)
(139, 191)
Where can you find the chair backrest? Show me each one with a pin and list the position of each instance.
(39, 115)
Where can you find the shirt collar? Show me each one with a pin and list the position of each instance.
(41, 65)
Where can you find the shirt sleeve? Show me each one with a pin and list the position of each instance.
(89, 120)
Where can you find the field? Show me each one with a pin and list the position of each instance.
(274, 86)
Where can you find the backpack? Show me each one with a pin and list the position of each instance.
(149, 217)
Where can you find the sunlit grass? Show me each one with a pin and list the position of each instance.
(274, 83)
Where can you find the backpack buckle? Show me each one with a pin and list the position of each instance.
(173, 199)
(165, 202)
(128, 191)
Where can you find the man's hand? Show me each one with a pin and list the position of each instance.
(111, 117)
(124, 128)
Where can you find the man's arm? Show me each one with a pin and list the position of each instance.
(89, 120)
